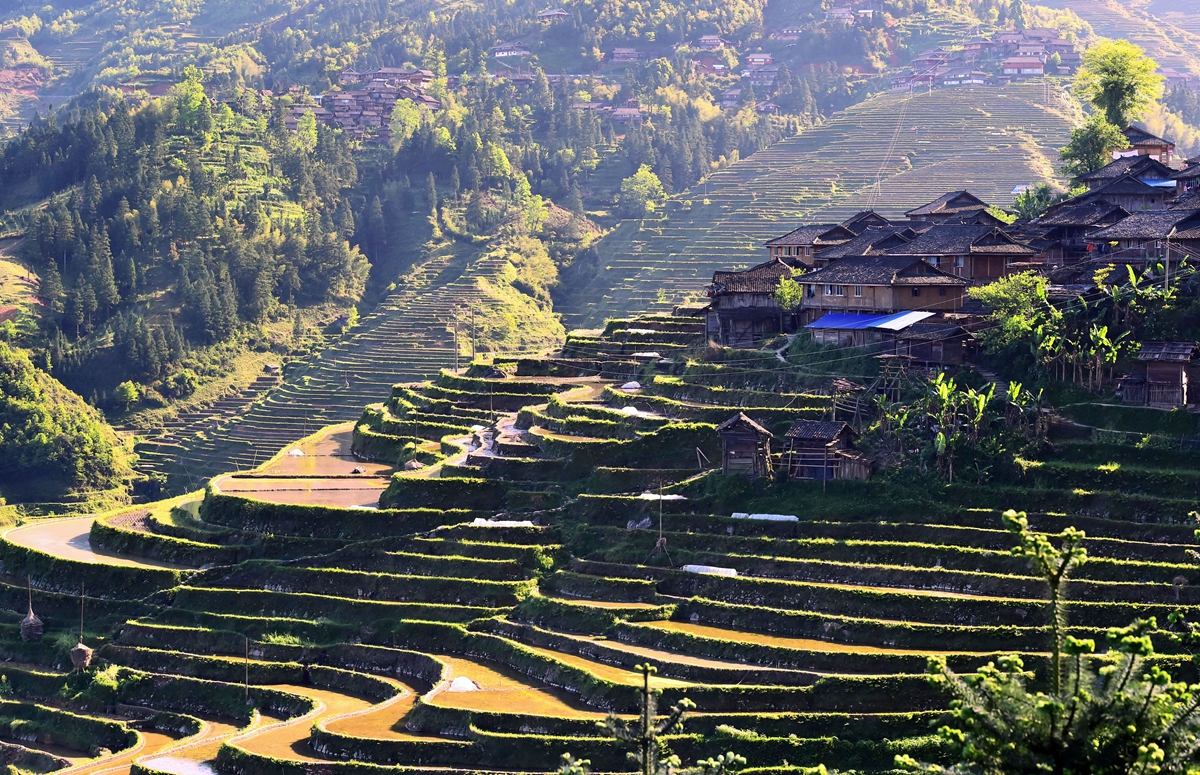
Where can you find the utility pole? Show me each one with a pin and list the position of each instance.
(472, 334)
(246, 685)
(456, 344)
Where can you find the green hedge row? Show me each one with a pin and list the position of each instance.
(178, 551)
(528, 469)
(847, 694)
(323, 522)
(545, 537)
(40, 724)
(258, 627)
(598, 588)
(1167, 456)
(57, 574)
(1054, 474)
(769, 416)
(576, 616)
(485, 401)
(337, 582)
(413, 564)
(102, 689)
(352, 659)
(310, 606)
(673, 445)
(370, 444)
(447, 379)
(533, 556)
(408, 492)
(693, 392)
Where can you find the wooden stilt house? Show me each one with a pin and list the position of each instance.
(823, 450)
(745, 447)
(1166, 381)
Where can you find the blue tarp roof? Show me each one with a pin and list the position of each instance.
(855, 322)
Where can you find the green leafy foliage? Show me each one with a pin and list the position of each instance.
(49, 435)
(641, 193)
(1119, 80)
(1091, 146)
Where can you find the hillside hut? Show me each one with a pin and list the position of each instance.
(814, 449)
(745, 447)
(1166, 382)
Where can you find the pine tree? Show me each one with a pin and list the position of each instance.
(100, 271)
(51, 288)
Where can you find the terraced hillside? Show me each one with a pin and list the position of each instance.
(538, 542)
(407, 337)
(1167, 30)
(891, 152)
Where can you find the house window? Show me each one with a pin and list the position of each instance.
(916, 291)
(808, 251)
(839, 290)
(828, 290)
(959, 262)
(941, 291)
(858, 290)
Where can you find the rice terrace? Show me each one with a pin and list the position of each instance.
(779, 387)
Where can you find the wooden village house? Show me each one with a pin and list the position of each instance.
(745, 447)
(743, 310)
(814, 449)
(883, 284)
(1165, 382)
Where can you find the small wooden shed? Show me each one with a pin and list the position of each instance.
(814, 449)
(745, 447)
(1166, 372)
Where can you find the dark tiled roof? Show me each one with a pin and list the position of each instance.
(1186, 202)
(801, 236)
(1126, 184)
(817, 430)
(870, 242)
(763, 278)
(1138, 136)
(1084, 215)
(881, 270)
(865, 219)
(1146, 224)
(1190, 172)
(953, 202)
(957, 239)
(741, 419)
(1170, 352)
(1138, 166)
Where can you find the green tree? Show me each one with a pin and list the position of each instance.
(189, 97)
(1118, 79)
(406, 118)
(1034, 201)
(1091, 146)
(1121, 717)
(789, 295)
(306, 130)
(640, 193)
(127, 394)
